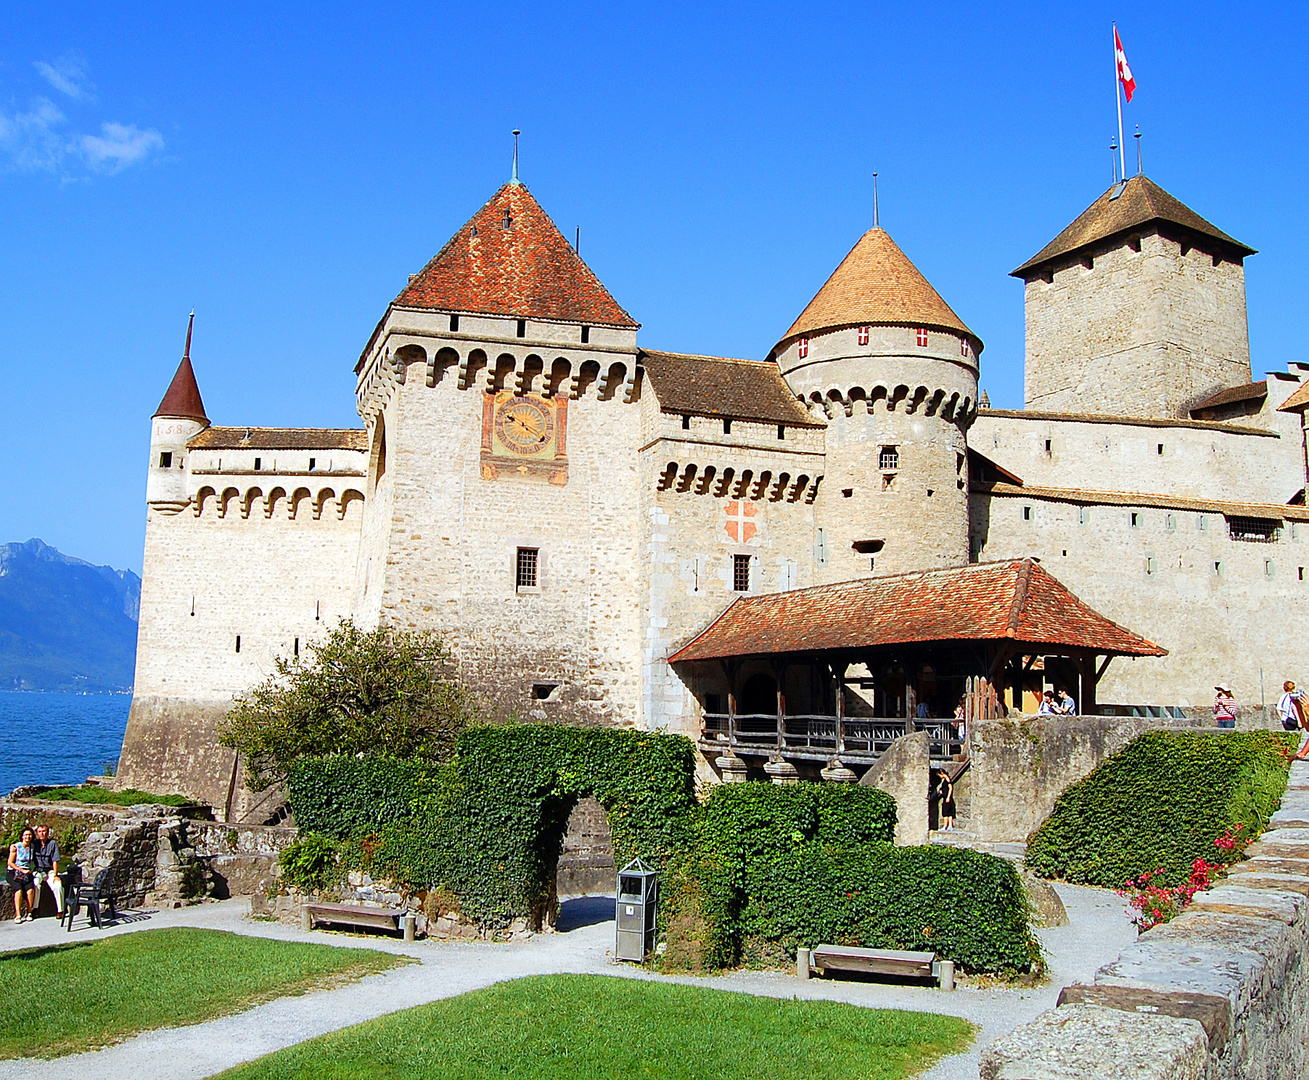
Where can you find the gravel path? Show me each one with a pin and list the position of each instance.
(1097, 933)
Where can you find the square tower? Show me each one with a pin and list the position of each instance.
(1136, 309)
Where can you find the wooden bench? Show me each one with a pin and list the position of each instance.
(913, 965)
(393, 919)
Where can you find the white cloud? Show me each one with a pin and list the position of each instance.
(29, 141)
(67, 76)
(119, 145)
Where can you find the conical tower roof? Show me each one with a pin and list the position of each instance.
(876, 283)
(511, 259)
(182, 399)
(1140, 202)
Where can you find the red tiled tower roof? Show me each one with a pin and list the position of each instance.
(511, 259)
(182, 399)
(876, 283)
(1016, 601)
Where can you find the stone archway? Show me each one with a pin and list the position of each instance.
(586, 862)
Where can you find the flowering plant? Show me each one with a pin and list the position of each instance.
(1151, 902)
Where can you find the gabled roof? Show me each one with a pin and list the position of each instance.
(525, 269)
(1141, 202)
(717, 386)
(1255, 391)
(1017, 601)
(876, 283)
(1289, 511)
(247, 438)
(1298, 401)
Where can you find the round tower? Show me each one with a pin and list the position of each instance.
(894, 371)
(179, 418)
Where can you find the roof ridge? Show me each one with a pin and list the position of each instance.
(1020, 596)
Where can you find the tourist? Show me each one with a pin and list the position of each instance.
(960, 723)
(1048, 707)
(21, 874)
(947, 803)
(47, 867)
(1067, 706)
(1290, 705)
(1224, 706)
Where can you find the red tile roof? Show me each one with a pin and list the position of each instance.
(717, 386)
(182, 399)
(876, 283)
(525, 269)
(1015, 601)
(256, 438)
(1140, 203)
(1254, 391)
(1297, 401)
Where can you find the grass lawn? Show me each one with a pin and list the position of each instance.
(90, 793)
(595, 1027)
(68, 998)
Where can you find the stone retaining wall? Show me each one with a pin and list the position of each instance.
(1219, 993)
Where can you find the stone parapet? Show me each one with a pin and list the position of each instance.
(1220, 992)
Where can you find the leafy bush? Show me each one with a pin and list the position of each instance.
(379, 692)
(348, 796)
(775, 868)
(1159, 805)
(312, 862)
(94, 795)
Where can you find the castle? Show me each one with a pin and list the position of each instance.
(569, 510)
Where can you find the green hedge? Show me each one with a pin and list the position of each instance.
(488, 826)
(1161, 802)
(775, 868)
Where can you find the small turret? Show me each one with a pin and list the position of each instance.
(179, 418)
(894, 369)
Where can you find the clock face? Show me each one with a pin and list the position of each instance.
(524, 426)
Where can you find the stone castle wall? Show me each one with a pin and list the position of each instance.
(1145, 332)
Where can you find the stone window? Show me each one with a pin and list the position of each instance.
(1149, 564)
(888, 458)
(544, 691)
(1268, 568)
(847, 493)
(296, 647)
(1254, 530)
(238, 642)
(312, 463)
(166, 460)
(1134, 519)
(508, 221)
(1049, 447)
(525, 568)
(1300, 572)
(863, 335)
(1170, 522)
(1218, 568)
(1027, 513)
(921, 335)
(741, 573)
(1083, 515)
(1200, 526)
(781, 431)
(258, 463)
(1159, 449)
(802, 347)
(727, 425)
(686, 421)
(522, 328)
(454, 323)
(586, 335)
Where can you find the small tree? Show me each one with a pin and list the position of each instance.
(379, 693)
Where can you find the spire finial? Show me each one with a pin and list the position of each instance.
(186, 352)
(514, 179)
(876, 222)
(1137, 137)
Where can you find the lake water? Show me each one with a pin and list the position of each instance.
(59, 738)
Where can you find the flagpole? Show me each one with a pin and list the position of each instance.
(1118, 100)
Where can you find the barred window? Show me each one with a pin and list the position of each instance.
(1254, 530)
(740, 573)
(525, 575)
(888, 457)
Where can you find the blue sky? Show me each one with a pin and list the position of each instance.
(283, 169)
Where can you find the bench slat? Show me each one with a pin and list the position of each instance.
(874, 961)
(356, 915)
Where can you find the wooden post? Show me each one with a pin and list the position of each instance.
(840, 711)
(781, 717)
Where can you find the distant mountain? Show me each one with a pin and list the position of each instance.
(65, 624)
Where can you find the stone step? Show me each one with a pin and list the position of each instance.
(960, 838)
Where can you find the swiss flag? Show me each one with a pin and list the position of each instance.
(1124, 72)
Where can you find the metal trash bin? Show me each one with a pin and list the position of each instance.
(635, 903)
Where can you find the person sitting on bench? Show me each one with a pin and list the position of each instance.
(47, 867)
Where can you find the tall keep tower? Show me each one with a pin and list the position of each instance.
(1136, 309)
(894, 369)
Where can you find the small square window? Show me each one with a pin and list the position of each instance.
(847, 493)
(920, 335)
(686, 421)
(525, 575)
(740, 573)
(727, 425)
(802, 347)
(863, 335)
(166, 460)
(888, 458)
(781, 431)
(1027, 513)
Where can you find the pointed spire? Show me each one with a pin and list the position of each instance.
(514, 178)
(876, 223)
(182, 400)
